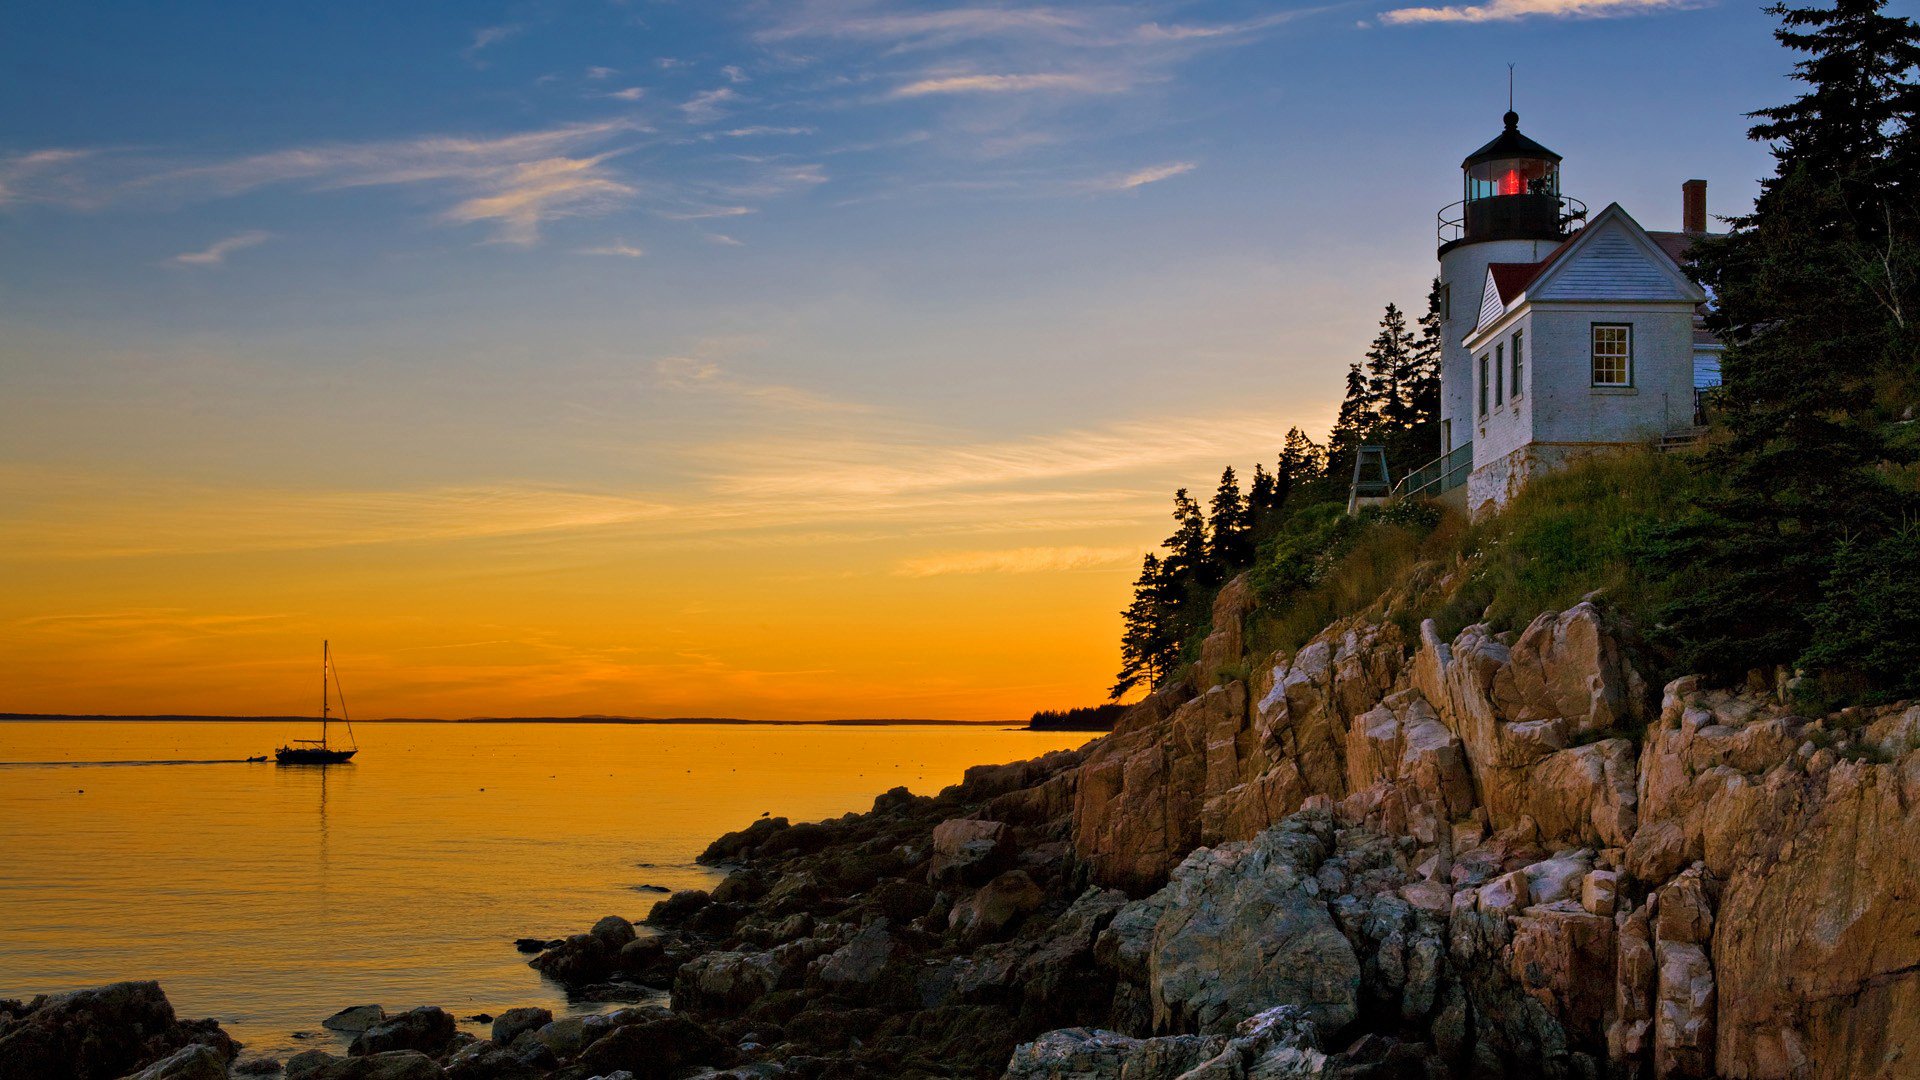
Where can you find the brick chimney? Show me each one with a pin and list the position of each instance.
(1693, 206)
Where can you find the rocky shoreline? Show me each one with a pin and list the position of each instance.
(1499, 855)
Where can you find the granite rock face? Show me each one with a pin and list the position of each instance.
(102, 1034)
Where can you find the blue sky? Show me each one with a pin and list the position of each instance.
(839, 288)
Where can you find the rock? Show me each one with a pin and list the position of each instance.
(1239, 927)
(563, 1038)
(579, 958)
(1683, 1044)
(678, 908)
(1506, 895)
(487, 1060)
(612, 932)
(650, 887)
(1630, 1033)
(103, 1032)
(1600, 892)
(1091, 1054)
(860, 961)
(655, 1044)
(195, 1062)
(725, 980)
(305, 1062)
(394, 1065)
(967, 851)
(509, 1025)
(1558, 878)
(355, 1019)
(736, 844)
(995, 907)
(262, 1066)
(531, 944)
(426, 1029)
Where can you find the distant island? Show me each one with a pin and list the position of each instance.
(1084, 718)
(591, 719)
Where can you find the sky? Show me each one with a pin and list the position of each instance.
(799, 359)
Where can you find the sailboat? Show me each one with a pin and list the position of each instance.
(317, 751)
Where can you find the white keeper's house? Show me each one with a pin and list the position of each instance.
(1566, 333)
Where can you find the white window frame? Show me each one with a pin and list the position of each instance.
(1519, 338)
(1483, 386)
(1499, 375)
(1624, 357)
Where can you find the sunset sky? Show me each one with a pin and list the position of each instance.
(768, 359)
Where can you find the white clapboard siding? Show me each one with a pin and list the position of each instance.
(1609, 266)
(1490, 305)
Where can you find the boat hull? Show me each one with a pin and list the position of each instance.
(293, 755)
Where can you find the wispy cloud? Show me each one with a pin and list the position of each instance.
(1005, 84)
(597, 72)
(922, 28)
(512, 182)
(1026, 560)
(485, 38)
(1513, 10)
(705, 212)
(619, 247)
(541, 191)
(1142, 177)
(216, 254)
(707, 105)
(734, 73)
(702, 375)
(631, 93)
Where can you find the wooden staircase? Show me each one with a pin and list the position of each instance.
(1683, 439)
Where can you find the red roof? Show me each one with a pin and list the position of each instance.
(1512, 279)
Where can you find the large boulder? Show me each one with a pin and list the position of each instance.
(996, 907)
(652, 1044)
(1240, 928)
(861, 960)
(725, 980)
(196, 1062)
(394, 1065)
(1092, 1054)
(99, 1034)
(355, 1019)
(509, 1025)
(426, 1029)
(969, 850)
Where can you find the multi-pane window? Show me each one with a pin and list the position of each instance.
(1612, 354)
(1519, 339)
(1499, 374)
(1483, 387)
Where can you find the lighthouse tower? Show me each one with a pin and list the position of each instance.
(1512, 212)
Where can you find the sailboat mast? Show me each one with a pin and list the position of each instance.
(326, 660)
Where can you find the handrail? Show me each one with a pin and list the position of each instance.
(1442, 474)
(1450, 229)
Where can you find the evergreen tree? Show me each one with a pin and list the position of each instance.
(1148, 646)
(1359, 415)
(1263, 505)
(1813, 295)
(1423, 384)
(1230, 532)
(1302, 465)
(1390, 371)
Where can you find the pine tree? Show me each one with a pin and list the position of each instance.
(1359, 415)
(1812, 297)
(1263, 505)
(1148, 646)
(1230, 540)
(1390, 371)
(1188, 564)
(1302, 465)
(1423, 384)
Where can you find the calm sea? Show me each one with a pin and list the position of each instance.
(270, 897)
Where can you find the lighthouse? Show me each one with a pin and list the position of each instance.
(1565, 334)
(1511, 211)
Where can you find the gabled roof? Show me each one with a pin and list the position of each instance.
(1511, 279)
(1514, 283)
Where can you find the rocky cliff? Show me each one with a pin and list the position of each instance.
(1500, 855)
